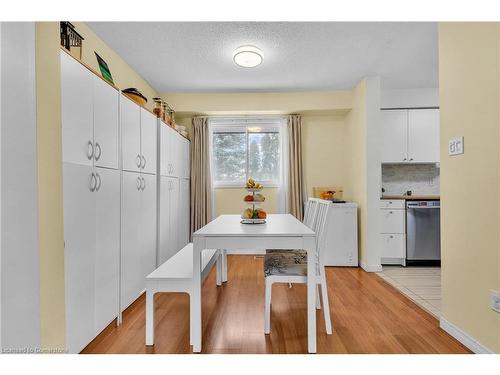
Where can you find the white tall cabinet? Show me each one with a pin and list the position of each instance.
(174, 198)
(91, 188)
(126, 201)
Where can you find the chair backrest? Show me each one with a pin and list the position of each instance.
(320, 226)
(310, 212)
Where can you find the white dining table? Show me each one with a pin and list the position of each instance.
(226, 232)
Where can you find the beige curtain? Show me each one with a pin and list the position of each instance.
(201, 185)
(295, 180)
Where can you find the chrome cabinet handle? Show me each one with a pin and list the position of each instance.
(93, 182)
(411, 159)
(98, 185)
(143, 161)
(90, 150)
(138, 160)
(97, 155)
(143, 185)
(390, 212)
(404, 159)
(139, 183)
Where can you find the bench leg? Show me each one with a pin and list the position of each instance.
(219, 268)
(150, 317)
(267, 305)
(224, 265)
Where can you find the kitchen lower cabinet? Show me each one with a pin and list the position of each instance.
(138, 254)
(392, 231)
(169, 218)
(91, 251)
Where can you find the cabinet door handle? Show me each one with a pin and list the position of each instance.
(90, 150)
(138, 160)
(404, 159)
(411, 159)
(93, 182)
(390, 212)
(98, 152)
(143, 161)
(138, 183)
(98, 185)
(391, 236)
(143, 184)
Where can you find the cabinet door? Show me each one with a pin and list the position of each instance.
(186, 158)
(164, 251)
(130, 121)
(423, 135)
(76, 111)
(132, 280)
(174, 215)
(106, 111)
(79, 254)
(184, 212)
(148, 226)
(393, 136)
(148, 141)
(174, 157)
(107, 264)
(393, 246)
(164, 150)
(341, 238)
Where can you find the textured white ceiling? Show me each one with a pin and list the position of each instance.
(197, 56)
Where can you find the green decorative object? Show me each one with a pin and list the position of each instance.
(105, 72)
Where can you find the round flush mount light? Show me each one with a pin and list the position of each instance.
(248, 56)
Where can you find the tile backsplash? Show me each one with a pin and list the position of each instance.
(419, 178)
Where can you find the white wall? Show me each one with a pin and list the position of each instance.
(409, 98)
(19, 274)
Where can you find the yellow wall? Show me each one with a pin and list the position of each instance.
(50, 195)
(355, 143)
(469, 98)
(324, 154)
(123, 75)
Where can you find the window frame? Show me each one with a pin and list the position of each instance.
(242, 125)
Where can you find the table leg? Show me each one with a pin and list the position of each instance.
(195, 295)
(150, 317)
(309, 245)
(224, 266)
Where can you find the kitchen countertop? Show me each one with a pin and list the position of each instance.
(413, 197)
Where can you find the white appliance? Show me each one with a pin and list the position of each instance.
(341, 242)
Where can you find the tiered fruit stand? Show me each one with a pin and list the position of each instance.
(254, 207)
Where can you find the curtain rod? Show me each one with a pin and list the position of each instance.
(236, 117)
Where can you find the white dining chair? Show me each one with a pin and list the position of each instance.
(290, 266)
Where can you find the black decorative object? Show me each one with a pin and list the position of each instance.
(69, 36)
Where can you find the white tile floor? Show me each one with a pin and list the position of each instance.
(420, 284)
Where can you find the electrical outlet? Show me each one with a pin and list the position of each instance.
(495, 300)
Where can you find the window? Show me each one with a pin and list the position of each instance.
(243, 149)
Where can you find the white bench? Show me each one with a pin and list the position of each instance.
(175, 275)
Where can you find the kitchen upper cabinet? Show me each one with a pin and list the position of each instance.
(76, 111)
(148, 141)
(130, 120)
(106, 111)
(138, 234)
(107, 264)
(409, 136)
(174, 153)
(393, 136)
(185, 155)
(423, 135)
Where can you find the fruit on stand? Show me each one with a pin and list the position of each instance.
(248, 213)
(248, 198)
(258, 213)
(259, 198)
(251, 184)
(261, 214)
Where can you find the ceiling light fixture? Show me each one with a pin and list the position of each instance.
(248, 56)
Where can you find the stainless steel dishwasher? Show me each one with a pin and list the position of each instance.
(423, 233)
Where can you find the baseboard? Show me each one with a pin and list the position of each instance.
(463, 337)
(371, 267)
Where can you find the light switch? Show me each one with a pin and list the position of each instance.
(456, 146)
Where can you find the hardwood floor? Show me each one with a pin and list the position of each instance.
(368, 316)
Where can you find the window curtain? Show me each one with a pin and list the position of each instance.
(295, 177)
(201, 184)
